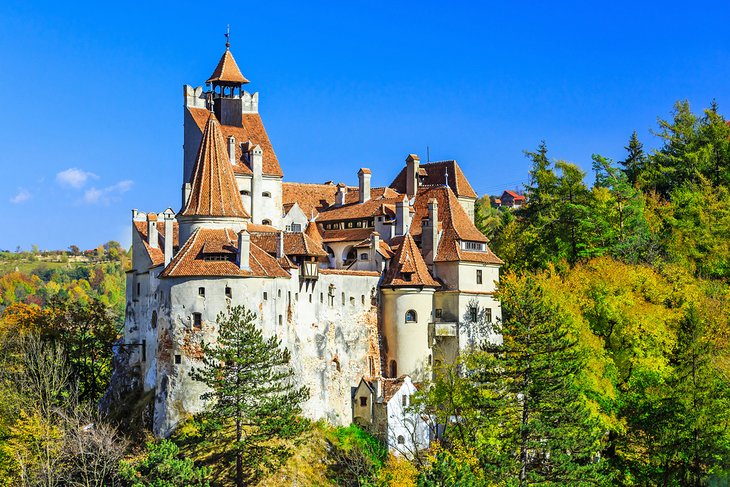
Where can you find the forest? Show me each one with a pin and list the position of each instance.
(614, 365)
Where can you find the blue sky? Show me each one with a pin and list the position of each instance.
(92, 105)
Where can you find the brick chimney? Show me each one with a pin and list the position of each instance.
(152, 238)
(341, 194)
(280, 244)
(244, 250)
(363, 176)
(413, 164)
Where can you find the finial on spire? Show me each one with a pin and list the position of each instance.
(228, 36)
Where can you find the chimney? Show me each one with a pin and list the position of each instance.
(413, 164)
(363, 176)
(169, 238)
(244, 249)
(429, 239)
(341, 194)
(280, 244)
(402, 217)
(152, 238)
(374, 246)
(256, 161)
(232, 150)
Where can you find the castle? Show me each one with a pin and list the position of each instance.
(358, 282)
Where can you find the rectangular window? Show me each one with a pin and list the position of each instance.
(197, 320)
(178, 359)
(343, 299)
(266, 296)
(479, 276)
(201, 291)
(281, 320)
(488, 315)
(321, 297)
(437, 313)
(363, 401)
(310, 297)
(473, 313)
(139, 289)
(229, 293)
(404, 400)
(362, 299)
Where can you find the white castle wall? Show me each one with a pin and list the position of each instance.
(331, 344)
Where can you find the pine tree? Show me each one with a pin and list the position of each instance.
(252, 386)
(546, 433)
(635, 159)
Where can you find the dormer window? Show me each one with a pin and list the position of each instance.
(266, 222)
(473, 246)
(407, 276)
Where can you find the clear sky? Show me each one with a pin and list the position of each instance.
(92, 92)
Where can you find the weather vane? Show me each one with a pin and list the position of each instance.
(228, 36)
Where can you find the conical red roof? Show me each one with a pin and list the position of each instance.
(214, 190)
(407, 268)
(227, 71)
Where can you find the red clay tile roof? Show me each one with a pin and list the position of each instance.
(312, 231)
(408, 261)
(157, 255)
(436, 176)
(451, 214)
(227, 71)
(381, 203)
(311, 198)
(513, 194)
(391, 387)
(295, 243)
(253, 130)
(451, 251)
(214, 190)
(190, 260)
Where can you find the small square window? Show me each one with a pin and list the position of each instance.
(201, 291)
(363, 400)
(229, 293)
(178, 359)
(197, 320)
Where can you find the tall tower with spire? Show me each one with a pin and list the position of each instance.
(248, 150)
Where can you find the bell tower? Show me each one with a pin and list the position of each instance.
(226, 84)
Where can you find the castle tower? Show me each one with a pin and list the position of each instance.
(407, 290)
(214, 201)
(227, 87)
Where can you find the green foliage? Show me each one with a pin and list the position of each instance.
(252, 385)
(163, 466)
(448, 471)
(357, 457)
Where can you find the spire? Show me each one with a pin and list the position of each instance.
(408, 269)
(227, 72)
(214, 190)
(313, 232)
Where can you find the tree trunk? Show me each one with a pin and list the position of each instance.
(239, 455)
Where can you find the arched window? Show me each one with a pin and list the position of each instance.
(393, 369)
(266, 222)
(411, 316)
(153, 323)
(401, 440)
(266, 194)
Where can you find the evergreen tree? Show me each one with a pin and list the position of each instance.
(252, 386)
(635, 161)
(573, 213)
(547, 433)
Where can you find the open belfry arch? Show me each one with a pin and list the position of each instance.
(361, 283)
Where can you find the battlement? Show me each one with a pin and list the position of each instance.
(198, 98)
